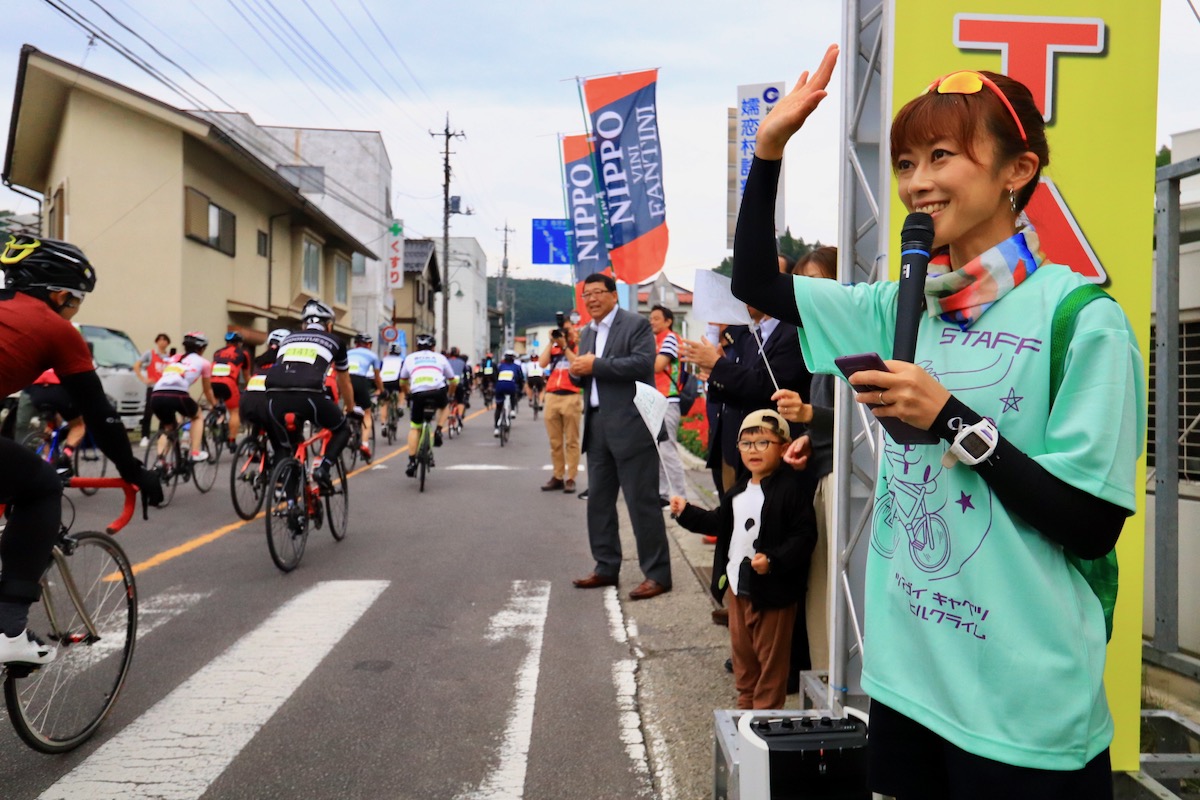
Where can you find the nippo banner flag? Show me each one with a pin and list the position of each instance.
(628, 159)
(585, 209)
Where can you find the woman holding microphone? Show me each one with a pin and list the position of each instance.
(984, 643)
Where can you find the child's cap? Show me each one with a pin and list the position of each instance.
(769, 420)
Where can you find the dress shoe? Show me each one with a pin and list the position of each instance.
(594, 581)
(553, 485)
(583, 495)
(569, 486)
(648, 589)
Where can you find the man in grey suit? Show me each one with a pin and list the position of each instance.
(616, 350)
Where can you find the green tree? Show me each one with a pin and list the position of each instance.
(788, 246)
(536, 299)
(1163, 158)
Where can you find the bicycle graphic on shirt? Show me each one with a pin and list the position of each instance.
(927, 532)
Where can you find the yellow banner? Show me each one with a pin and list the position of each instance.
(1092, 65)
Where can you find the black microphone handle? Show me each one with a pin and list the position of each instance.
(916, 240)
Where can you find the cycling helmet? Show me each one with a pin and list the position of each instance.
(394, 349)
(195, 339)
(363, 338)
(233, 337)
(31, 263)
(425, 341)
(509, 355)
(316, 311)
(276, 337)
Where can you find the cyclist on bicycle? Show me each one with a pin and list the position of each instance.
(426, 376)
(535, 381)
(171, 392)
(458, 363)
(510, 384)
(48, 397)
(45, 280)
(254, 398)
(364, 378)
(296, 385)
(487, 374)
(229, 363)
(389, 373)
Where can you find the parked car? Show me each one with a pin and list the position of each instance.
(115, 354)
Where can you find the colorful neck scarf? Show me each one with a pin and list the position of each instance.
(961, 296)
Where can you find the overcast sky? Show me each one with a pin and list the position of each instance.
(504, 72)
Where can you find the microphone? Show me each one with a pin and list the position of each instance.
(916, 240)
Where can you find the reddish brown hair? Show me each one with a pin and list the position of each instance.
(961, 117)
(825, 259)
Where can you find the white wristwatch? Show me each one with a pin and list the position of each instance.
(973, 445)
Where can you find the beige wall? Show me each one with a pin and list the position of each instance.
(125, 186)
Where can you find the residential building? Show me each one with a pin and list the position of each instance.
(415, 303)
(189, 228)
(660, 291)
(466, 281)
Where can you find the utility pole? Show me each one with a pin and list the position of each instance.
(448, 134)
(502, 293)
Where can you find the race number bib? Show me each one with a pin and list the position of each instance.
(221, 370)
(257, 384)
(391, 372)
(307, 355)
(505, 375)
(175, 369)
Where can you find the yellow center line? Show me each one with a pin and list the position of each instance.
(212, 536)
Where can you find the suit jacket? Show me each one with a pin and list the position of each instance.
(741, 383)
(628, 357)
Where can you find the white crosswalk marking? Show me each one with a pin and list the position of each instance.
(523, 618)
(180, 746)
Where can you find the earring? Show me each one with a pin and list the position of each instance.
(1012, 200)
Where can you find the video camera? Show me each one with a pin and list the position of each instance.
(559, 319)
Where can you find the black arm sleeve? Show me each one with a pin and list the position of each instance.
(1085, 525)
(757, 280)
(103, 422)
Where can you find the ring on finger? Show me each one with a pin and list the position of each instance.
(882, 402)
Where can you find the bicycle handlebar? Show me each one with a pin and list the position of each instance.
(111, 483)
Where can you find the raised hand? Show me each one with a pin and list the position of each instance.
(792, 110)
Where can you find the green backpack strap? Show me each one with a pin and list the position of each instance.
(1100, 573)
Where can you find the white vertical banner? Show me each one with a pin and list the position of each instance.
(393, 258)
(755, 101)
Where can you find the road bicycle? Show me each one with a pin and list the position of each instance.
(454, 421)
(174, 463)
(395, 412)
(488, 394)
(534, 404)
(353, 450)
(88, 610)
(425, 445)
(249, 472)
(87, 461)
(294, 501)
(505, 419)
(216, 427)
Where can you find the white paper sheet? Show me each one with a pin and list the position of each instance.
(652, 405)
(713, 300)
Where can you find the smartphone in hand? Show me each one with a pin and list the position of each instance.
(900, 431)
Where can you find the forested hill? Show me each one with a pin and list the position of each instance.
(537, 300)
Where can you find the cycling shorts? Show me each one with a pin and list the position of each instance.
(52, 398)
(254, 408)
(166, 405)
(391, 386)
(434, 398)
(226, 390)
(537, 382)
(363, 386)
(461, 393)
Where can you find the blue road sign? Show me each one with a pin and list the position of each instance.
(550, 241)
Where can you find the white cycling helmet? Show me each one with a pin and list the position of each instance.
(276, 337)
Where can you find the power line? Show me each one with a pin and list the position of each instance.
(399, 58)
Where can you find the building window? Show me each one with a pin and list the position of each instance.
(208, 223)
(58, 209)
(341, 280)
(311, 279)
(305, 178)
(358, 264)
(263, 243)
(420, 291)
(1189, 401)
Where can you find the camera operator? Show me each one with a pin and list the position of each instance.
(563, 410)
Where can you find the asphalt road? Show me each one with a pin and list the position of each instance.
(440, 651)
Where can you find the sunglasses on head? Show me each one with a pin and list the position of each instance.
(969, 82)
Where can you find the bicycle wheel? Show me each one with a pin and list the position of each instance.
(204, 473)
(167, 463)
(287, 514)
(38, 443)
(247, 478)
(351, 453)
(89, 462)
(337, 503)
(57, 707)
(423, 455)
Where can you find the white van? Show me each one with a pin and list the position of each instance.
(115, 355)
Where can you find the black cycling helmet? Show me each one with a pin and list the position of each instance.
(233, 337)
(363, 338)
(394, 349)
(32, 263)
(195, 340)
(316, 311)
(426, 341)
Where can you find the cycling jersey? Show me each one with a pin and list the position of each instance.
(426, 371)
(265, 361)
(363, 362)
(182, 371)
(532, 369)
(33, 337)
(509, 378)
(229, 361)
(458, 364)
(303, 359)
(389, 372)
